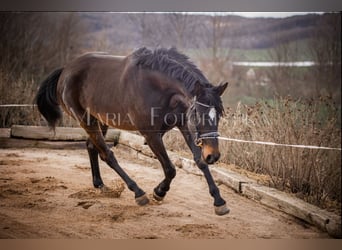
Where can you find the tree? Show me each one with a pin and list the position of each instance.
(179, 25)
(69, 37)
(20, 43)
(217, 44)
(282, 77)
(32, 44)
(148, 29)
(325, 47)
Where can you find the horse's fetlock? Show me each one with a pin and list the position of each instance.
(132, 186)
(160, 192)
(171, 173)
(214, 191)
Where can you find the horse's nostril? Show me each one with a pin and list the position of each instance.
(212, 158)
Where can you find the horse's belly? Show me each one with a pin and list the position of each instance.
(117, 120)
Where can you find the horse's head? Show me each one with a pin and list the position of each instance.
(203, 118)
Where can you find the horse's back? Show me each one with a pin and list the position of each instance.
(99, 55)
(91, 77)
(94, 61)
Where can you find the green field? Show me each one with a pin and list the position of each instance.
(297, 51)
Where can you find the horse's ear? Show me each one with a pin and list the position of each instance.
(221, 88)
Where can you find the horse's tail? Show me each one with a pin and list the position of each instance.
(46, 99)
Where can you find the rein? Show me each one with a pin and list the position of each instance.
(198, 136)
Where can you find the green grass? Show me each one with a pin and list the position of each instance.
(252, 55)
(299, 49)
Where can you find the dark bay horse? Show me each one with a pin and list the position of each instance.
(150, 91)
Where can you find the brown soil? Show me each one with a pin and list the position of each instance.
(48, 193)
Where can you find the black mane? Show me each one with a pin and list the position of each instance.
(179, 67)
(173, 64)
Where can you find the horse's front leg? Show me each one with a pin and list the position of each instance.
(157, 146)
(219, 203)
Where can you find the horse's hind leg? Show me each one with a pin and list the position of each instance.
(94, 160)
(97, 139)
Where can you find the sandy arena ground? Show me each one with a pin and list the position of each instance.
(48, 193)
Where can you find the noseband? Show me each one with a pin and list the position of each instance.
(198, 136)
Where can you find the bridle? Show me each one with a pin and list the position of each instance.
(198, 136)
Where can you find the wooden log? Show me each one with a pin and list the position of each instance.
(129, 139)
(27, 143)
(190, 166)
(298, 208)
(45, 133)
(230, 178)
(5, 132)
(60, 133)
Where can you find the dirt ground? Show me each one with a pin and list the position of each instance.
(48, 193)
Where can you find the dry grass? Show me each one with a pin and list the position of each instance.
(22, 90)
(19, 91)
(314, 175)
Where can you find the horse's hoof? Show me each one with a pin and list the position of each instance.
(104, 188)
(157, 197)
(222, 210)
(142, 200)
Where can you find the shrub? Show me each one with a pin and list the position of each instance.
(312, 174)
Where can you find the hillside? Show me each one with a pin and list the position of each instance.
(136, 29)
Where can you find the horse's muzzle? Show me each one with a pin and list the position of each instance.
(210, 155)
